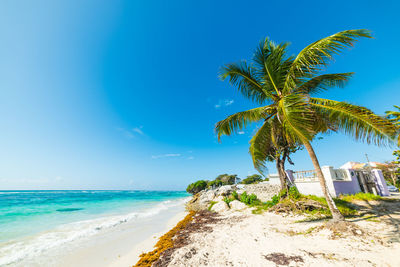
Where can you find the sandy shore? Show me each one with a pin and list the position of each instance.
(241, 238)
(132, 256)
(118, 246)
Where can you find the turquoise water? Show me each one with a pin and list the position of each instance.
(35, 219)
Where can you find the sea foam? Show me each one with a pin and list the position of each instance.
(30, 247)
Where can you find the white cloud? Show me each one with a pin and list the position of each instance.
(138, 130)
(131, 133)
(225, 103)
(190, 158)
(165, 156)
(241, 132)
(229, 102)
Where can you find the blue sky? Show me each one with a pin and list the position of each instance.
(125, 94)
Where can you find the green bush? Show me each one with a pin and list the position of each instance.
(255, 178)
(215, 183)
(196, 187)
(249, 199)
(294, 193)
(235, 195)
(275, 200)
(228, 200)
(227, 179)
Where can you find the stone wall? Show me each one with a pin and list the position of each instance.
(264, 192)
(203, 199)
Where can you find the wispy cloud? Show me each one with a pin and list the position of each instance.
(138, 130)
(224, 103)
(190, 158)
(131, 133)
(241, 132)
(165, 156)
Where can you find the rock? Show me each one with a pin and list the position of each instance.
(218, 198)
(207, 195)
(225, 190)
(201, 200)
(240, 191)
(220, 207)
(237, 205)
(264, 192)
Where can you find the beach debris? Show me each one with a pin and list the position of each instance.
(282, 259)
(194, 222)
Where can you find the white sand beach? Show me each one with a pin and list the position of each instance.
(130, 258)
(240, 238)
(119, 246)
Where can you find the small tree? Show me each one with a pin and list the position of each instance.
(227, 179)
(214, 183)
(251, 179)
(196, 187)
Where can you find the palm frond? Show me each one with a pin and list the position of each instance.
(297, 118)
(243, 76)
(272, 64)
(357, 121)
(239, 120)
(261, 147)
(394, 116)
(317, 55)
(323, 82)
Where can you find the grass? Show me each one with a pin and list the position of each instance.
(344, 206)
(360, 196)
(212, 203)
(289, 203)
(343, 203)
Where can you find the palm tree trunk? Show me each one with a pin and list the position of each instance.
(336, 215)
(280, 166)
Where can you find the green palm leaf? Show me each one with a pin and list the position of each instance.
(261, 147)
(272, 64)
(359, 122)
(243, 76)
(394, 116)
(239, 120)
(317, 55)
(296, 117)
(323, 82)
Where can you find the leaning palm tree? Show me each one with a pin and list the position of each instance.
(284, 87)
(276, 148)
(394, 116)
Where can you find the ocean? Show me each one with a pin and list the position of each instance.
(32, 222)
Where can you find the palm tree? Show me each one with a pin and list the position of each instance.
(394, 117)
(274, 147)
(283, 86)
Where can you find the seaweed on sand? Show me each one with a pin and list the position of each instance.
(177, 237)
